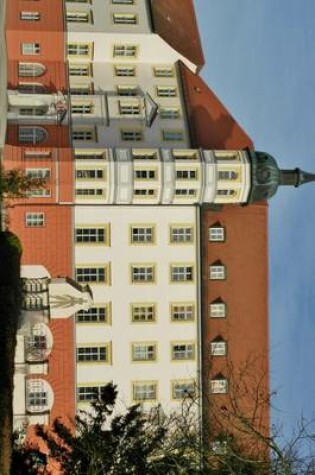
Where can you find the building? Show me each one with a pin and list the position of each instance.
(105, 101)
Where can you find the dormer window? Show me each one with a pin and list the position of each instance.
(218, 347)
(219, 384)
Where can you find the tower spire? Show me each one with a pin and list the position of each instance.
(295, 177)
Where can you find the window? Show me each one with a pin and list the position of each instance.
(94, 235)
(143, 154)
(79, 49)
(172, 135)
(181, 234)
(81, 89)
(182, 273)
(217, 272)
(182, 312)
(219, 385)
(89, 174)
(142, 235)
(93, 353)
(30, 16)
(32, 135)
(37, 154)
(142, 174)
(185, 154)
(31, 88)
(226, 192)
(144, 391)
(166, 91)
(125, 71)
(169, 112)
(129, 108)
(84, 134)
(39, 193)
(123, 2)
(227, 175)
(131, 135)
(128, 51)
(142, 274)
(31, 69)
(90, 192)
(218, 347)
(127, 90)
(143, 352)
(92, 274)
(185, 192)
(31, 111)
(37, 395)
(183, 389)
(82, 108)
(34, 220)
(143, 313)
(85, 154)
(216, 233)
(125, 19)
(89, 393)
(163, 71)
(79, 69)
(186, 174)
(217, 310)
(94, 315)
(78, 17)
(37, 173)
(30, 49)
(78, 1)
(183, 351)
(148, 193)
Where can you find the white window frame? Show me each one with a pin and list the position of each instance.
(218, 347)
(31, 134)
(142, 274)
(181, 234)
(93, 275)
(183, 389)
(143, 313)
(93, 354)
(219, 385)
(78, 17)
(142, 351)
(182, 312)
(216, 233)
(38, 173)
(217, 310)
(182, 273)
(125, 71)
(131, 135)
(125, 19)
(144, 391)
(185, 192)
(217, 272)
(91, 235)
(173, 135)
(30, 70)
(125, 51)
(89, 393)
(187, 174)
(30, 49)
(29, 16)
(142, 234)
(95, 314)
(182, 351)
(79, 70)
(166, 91)
(34, 220)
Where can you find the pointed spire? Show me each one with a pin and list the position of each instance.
(295, 177)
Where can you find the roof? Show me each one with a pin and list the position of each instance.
(175, 21)
(211, 124)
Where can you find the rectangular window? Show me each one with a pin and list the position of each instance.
(144, 391)
(39, 193)
(131, 135)
(186, 174)
(82, 108)
(123, 2)
(78, 17)
(92, 274)
(84, 134)
(219, 386)
(216, 233)
(80, 49)
(95, 235)
(84, 154)
(185, 192)
(37, 399)
(142, 174)
(143, 154)
(30, 16)
(89, 174)
(40, 154)
(166, 91)
(94, 315)
(127, 51)
(217, 310)
(79, 69)
(81, 89)
(127, 90)
(217, 272)
(227, 175)
(142, 274)
(125, 19)
(148, 193)
(129, 108)
(183, 351)
(31, 49)
(125, 71)
(89, 393)
(182, 273)
(218, 348)
(181, 234)
(182, 312)
(169, 113)
(34, 220)
(183, 389)
(93, 354)
(89, 192)
(163, 71)
(172, 135)
(142, 234)
(37, 173)
(143, 352)
(31, 111)
(32, 88)
(143, 313)
(185, 154)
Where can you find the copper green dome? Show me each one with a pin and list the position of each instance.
(266, 176)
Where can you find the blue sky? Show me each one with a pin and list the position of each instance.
(260, 61)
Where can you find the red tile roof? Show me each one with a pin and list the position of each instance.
(211, 124)
(175, 22)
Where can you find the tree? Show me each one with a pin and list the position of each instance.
(15, 183)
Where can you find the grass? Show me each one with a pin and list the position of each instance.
(10, 254)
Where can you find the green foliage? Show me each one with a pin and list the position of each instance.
(16, 184)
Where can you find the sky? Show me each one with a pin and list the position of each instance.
(260, 62)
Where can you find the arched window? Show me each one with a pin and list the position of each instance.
(32, 135)
(31, 69)
(39, 396)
